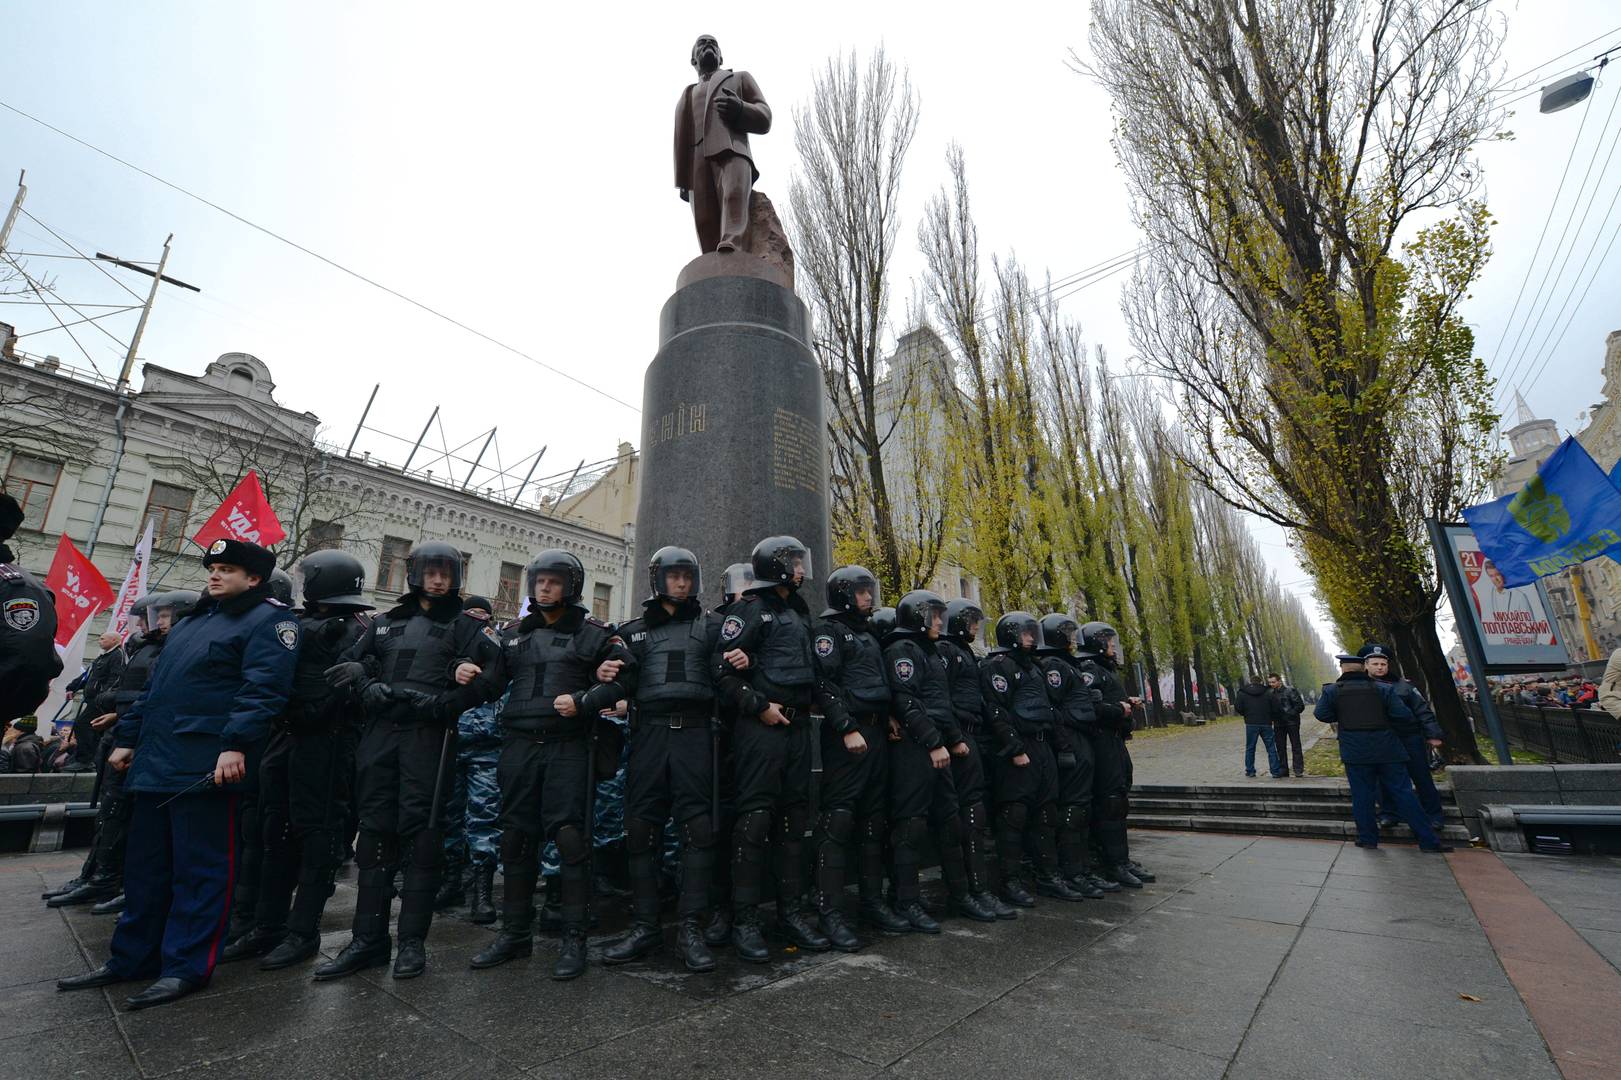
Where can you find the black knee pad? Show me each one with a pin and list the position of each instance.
(838, 825)
(753, 827)
(1072, 817)
(793, 822)
(1115, 808)
(698, 832)
(1014, 816)
(1047, 815)
(874, 828)
(376, 850)
(640, 836)
(572, 846)
(427, 849)
(974, 817)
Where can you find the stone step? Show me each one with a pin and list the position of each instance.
(1275, 807)
(1325, 828)
(1306, 788)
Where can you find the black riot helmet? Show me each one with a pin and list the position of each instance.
(564, 565)
(962, 619)
(669, 558)
(776, 558)
(919, 612)
(845, 585)
(137, 610)
(433, 553)
(281, 586)
(1013, 627)
(883, 621)
(1060, 632)
(178, 603)
(1095, 638)
(334, 578)
(738, 579)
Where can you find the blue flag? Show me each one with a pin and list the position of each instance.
(1567, 513)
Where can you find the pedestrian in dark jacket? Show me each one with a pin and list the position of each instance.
(1254, 702)
(97, 679)
(223, 676)
(1288, 705)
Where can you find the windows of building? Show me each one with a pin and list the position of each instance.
(168, 506)
(325, 535)
(391, 565)
(508, 591)
(601, 598)
(32, 481)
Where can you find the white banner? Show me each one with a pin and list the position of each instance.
(134, 586)
(51, 711)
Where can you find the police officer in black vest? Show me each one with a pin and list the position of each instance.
(306, 777)
(853, 694)
(560, 668)
(413, 669)
(1073, 707)
(766, 668)
(1019, 711)
(737, 579)
(963, 620)
(670, 773)
(922, 786)
(28, 659)
(1098, 652)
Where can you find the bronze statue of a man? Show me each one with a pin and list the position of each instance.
(713, 168)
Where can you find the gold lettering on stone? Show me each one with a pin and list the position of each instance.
(794, 462)
(687, 418)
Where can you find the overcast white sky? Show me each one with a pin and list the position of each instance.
(509, 164)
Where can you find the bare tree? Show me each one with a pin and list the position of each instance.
(852, 139)
(1276, 155)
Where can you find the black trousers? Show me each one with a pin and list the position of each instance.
(1111, 787)
(305, 788)
(1288, 735)
(1030, 785)
(114, 809)
(857, 783)
(670, 774)
(772, 775)
(396, 766)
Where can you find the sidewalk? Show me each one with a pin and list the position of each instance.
(1212, 755)
(1250, 958)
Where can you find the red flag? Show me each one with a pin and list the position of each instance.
(244, 515)
(80, 589)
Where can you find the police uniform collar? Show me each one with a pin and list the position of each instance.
(769, 594)
(852, 619)
(441, 609)
(573, 618)
(1354, 675)
(653, 613)
(243, 601)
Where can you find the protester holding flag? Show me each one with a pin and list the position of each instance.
(223, 676)
(28, 657)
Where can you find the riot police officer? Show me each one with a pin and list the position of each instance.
(306, 775)
(158, 613)
(768, 632)
(737, 579)
(559, 667)
(671, 772)
(1098, 651)
(922, 787)
(28, 658)
(1019, 711)
(473, 804)
(963, 620)
(1073, 707)
(413, 669)
(853, 694)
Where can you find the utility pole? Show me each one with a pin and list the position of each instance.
(16, 205)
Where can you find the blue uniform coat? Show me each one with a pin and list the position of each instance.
(224, 674)
(1367, 747)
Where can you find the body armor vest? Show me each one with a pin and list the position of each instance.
(1074, 705)
(933, 682)
(966, 698)
(1358, 706)
(861, 675)
(137, 673)
(543, 663)
(1031, 706)
(675, 667)
(785, 659)
(313, 702)
(416, 653)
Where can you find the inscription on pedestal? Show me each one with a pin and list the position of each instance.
(687, 418)
(794, 452)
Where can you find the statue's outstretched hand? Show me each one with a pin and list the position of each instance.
(686, 196)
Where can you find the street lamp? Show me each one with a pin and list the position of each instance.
(1570, 90)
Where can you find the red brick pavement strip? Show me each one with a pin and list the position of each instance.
(1572, 992)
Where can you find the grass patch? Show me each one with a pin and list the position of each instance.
(1323, 759)
(1171, 731)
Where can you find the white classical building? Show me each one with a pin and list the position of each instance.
(187, 438)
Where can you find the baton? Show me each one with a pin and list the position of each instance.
(714, 770)
(206, 782)
(813, 798)
(590, 824)
(439, 776)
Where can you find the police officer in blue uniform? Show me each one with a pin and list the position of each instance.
(223, 676)
(671, 772)
(1366, 713)
(768, 633)
(558, 666)
(853, 694)
(1418, 735)
(413, 669)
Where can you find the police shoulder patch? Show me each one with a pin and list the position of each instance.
(903, 669)
(731, 628)
(1087, 677)
(22, 613)
(273, 602)
(1055, 679)
(824, 645)
(999, 683)
(287, 634)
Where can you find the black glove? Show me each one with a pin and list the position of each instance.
(376, 697)
(340, 676)
(427, 706)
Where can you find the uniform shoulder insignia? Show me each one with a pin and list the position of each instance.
(273, 602)
(1087, 677)
(287, 634)
(481, 616)
(732, 628)
(765, 616)
(824, 645)
(10, 573)
(903, 669)
(1055, 678)
(592, 620)
(999, 683)
(22, 613)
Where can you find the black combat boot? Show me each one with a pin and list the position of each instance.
(412, 959)
(452, 890)
(970, 906)
(62, 889)
(482, 910)
(798, 928)
(370, 944)
(570, 954)
(94, 891)
(746, 937)
(642, 939)
(1055, 886)
(361, 953)
(295, 948)
(874, 909)
(256, 942)
(1139, 872)
(689, 941)
(718, 930)
(1121, 875)
(917, 917)
(517, 937)
(115, 906)
(837, 932)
